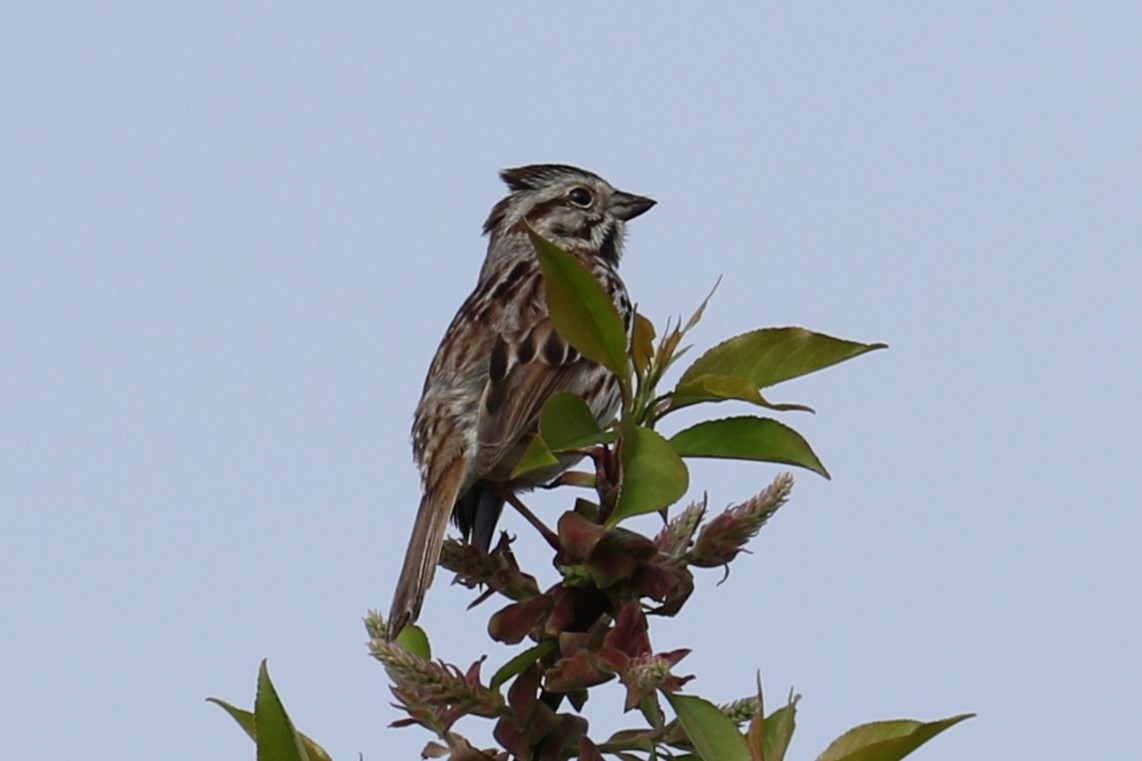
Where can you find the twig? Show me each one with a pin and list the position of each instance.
(551, 537)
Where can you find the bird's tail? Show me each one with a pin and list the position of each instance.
(424, 547)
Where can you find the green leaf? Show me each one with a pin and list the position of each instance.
(581, 309)
(277, 740)
(538, 455)
(886, 740)
(651, 710)
(415, 640)
(520, 662)
(779, 727)
(772, 355)
(566, 420)
(719, 388)
(600, 437)
(747, 438)
(714, 736)
(654, 476)
(244, 718)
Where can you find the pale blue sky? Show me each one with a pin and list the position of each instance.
(232, 234)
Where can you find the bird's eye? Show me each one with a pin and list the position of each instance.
(580, 197)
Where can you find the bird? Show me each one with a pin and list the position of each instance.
(501, 358)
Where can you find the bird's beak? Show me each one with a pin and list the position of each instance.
(627, 206)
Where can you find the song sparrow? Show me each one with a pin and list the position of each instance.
(501, 359)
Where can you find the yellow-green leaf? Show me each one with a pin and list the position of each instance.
(642, 343)
(886, 740)
(566, 420)
(719, 388)
(747, 438)
(772, 355)
(668, 345)
(654, 476)
(244, 718)
(414, 639)
(697, 316)
(713, 734)
(537, 455)
(313, 750)
(581, 309)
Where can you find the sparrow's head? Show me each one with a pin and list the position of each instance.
(575, 209)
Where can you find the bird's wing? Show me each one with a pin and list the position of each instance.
(525, 370)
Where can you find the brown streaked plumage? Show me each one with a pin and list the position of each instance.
(500, 360)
